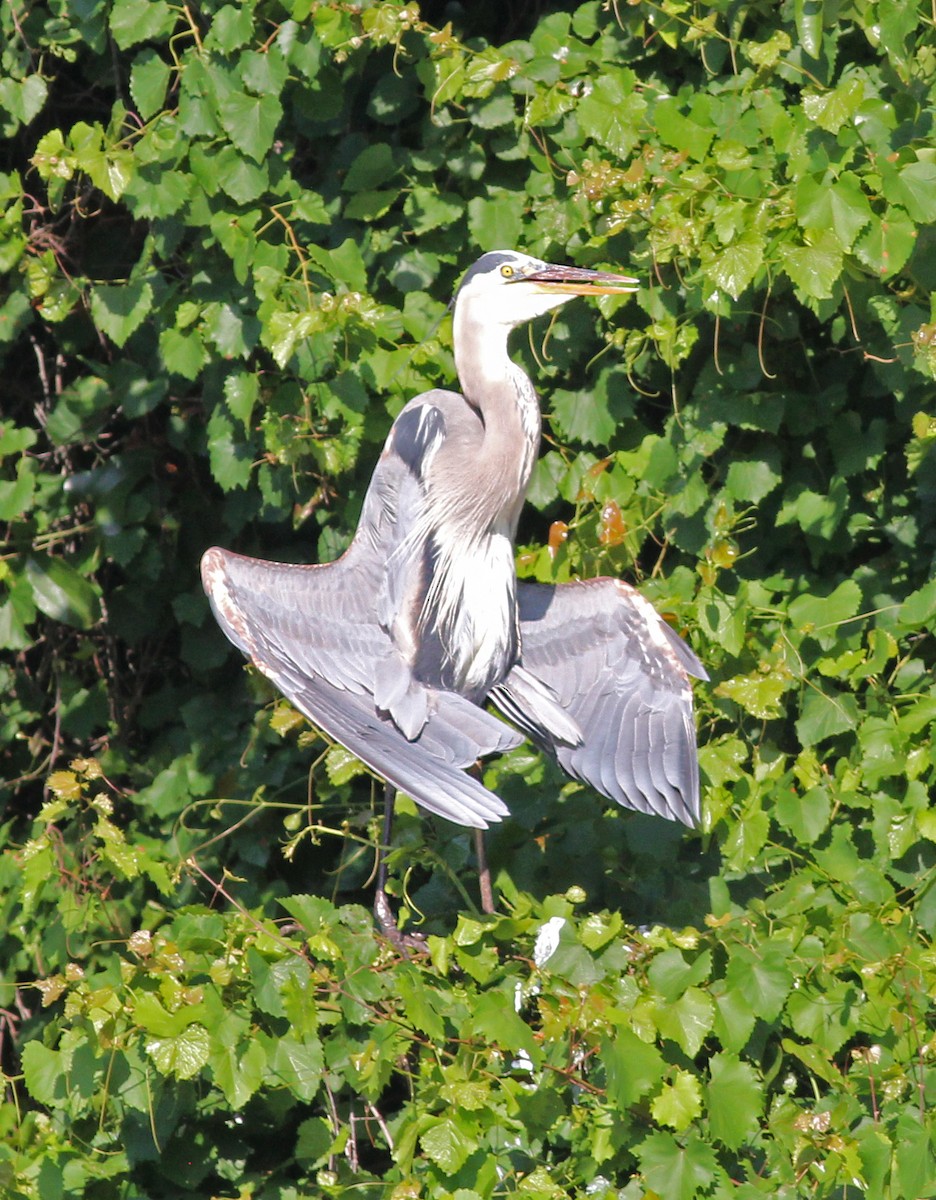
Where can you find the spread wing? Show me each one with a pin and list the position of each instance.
(317, 633)
(621, 673)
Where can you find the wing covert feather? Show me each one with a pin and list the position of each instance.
(622, 675)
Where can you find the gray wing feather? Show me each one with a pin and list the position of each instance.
(275, 614)
(622, 675)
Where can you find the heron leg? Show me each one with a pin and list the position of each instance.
(484, 873)
(383, 910)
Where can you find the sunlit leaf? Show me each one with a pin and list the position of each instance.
(135, 21)
(183, 1055)
(888, 243)
(679, 1103)
(446, 1144)
(675, 1169)
(734, 267)
(915, 189)
(839, 204)
(816, 265)
(611, 113)
(763, 977)
(733, 1100)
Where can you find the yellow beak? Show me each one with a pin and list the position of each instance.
(578, 281)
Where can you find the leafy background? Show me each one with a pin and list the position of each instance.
(228, 235)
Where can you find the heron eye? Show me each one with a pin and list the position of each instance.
(507, 271)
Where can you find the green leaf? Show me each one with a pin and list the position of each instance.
(876, 1151)
(372, 168)
(816, 266)
(766, 55)
(61, 593)
(818, 614)
(225, 327)
(344, 264)
(232, 26)
(495, 1019)
(284, 331)
(817, 513)
(13, 441)
(16, 496)
(632, 1068)
(23, 99)
(243, 181)
(762, 976)
(839, 204)
(230, 456)
(809, 19)
(152, 1016)
(109, 167)
(496, 111)
(241, 392)
(825, 714)
(805, 814)
(759, 693)
(749, 480)
(671, 975)
(44, 1071)
(732, 268)
(612, 112)
(679, 1103)
(183, 353)
(369, 206)
(734, 1017)
(679, 131)
(830, 110)
(183, 1055)
(135, 21)
(915, 1161)
(826, 1016)
(914, 188)
(149, 79)
(887, 245)
(314, 1142)
(496, 219)
(422, 1006)
(583, 419)
(120, 309)
(814, 1060)
(734, 1100)
(298, 1065)
(251, 122)
(342, 766)
(447, 1145)
(238, 1069)
(675, 1170)
(731, 155)
(918, 610)
(687, 1020)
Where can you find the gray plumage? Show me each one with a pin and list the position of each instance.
(393, 649)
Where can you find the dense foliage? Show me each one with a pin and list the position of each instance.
(227, 235)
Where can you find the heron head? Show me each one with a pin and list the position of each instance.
(508, 288)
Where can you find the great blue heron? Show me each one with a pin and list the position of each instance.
(394, 648)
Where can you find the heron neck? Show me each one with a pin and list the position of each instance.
(504, 396)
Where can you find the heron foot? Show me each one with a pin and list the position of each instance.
(406, 943)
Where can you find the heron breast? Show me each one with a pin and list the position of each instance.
(474, 617)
